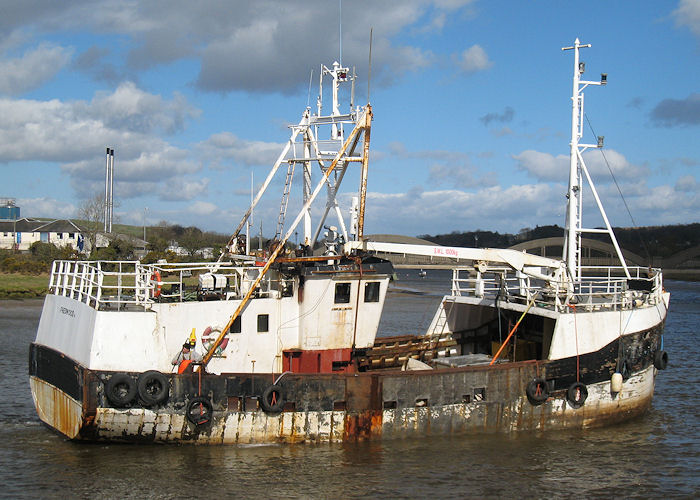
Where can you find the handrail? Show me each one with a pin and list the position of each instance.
(605, 290)
(106, 284)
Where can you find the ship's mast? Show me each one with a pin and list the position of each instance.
(577, 170)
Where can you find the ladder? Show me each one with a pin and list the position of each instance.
(285, 199)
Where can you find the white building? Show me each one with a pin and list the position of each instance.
(21, 233)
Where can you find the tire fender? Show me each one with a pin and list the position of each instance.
(537, 391)
(199, 410)
(272, 399)
(576, 394)
(120, 389)
(660, 360)
(153, 388)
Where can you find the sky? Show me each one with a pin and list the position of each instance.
(471, 103)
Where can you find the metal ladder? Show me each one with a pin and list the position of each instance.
(436, 333)
(285, 199)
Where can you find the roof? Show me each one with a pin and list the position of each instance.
(27, 225)
(58, 226)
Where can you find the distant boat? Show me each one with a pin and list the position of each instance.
(288, 342)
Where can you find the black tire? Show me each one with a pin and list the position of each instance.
(272, 399)
(120, 390)
(576, 394)
(537, 391)
(199, 411)
(660, 360)
(154, 388)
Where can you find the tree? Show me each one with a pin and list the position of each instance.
(92, 215)
(191, 239)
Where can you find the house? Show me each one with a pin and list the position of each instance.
(21, 233)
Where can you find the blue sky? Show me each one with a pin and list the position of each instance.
(471, 103)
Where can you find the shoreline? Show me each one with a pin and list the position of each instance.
(14, 286)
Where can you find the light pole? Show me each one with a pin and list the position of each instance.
(145, 209)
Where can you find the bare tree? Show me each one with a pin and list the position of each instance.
(92, 215)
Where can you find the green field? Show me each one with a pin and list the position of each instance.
(23, 286)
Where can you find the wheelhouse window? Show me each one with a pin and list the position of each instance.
(263, 323)
(342, 293)
(372, 291)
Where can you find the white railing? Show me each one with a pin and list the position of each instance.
(130, 284)
(601, 288)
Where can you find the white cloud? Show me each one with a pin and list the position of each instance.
(203, 208)
(686, 184)
(33, 69)
(434, 212)
(130, 108)
(75, 134)
(546, 167)
(46, 207)
(183, 189)
(473, 59)
(270, 41)
(688, 14)
(223, 147)
(543, 166)
(73, 131)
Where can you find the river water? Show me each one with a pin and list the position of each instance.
(657, 455)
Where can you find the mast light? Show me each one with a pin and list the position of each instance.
(601, 139)
(581, 67)
(603, 78)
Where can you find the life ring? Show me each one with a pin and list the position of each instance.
(158, 283)
(272, 399)
(209, 336)
(120, 389)
(153, 387)
(576, 394)
(199, 410)
(660, 360)
(537, 391)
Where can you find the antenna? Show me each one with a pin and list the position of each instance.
(352, 90)
(369, 71)
(340, 32)
(308, 96)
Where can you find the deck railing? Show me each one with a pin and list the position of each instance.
(600, 288)
(130, 284)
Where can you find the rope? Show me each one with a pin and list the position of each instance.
(634, 223)
(513, 330)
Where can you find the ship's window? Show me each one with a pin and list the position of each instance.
(372, 291)
(480, 394)
(236, 326)
(342, 293)
(263, 323)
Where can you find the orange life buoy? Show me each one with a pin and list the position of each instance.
(155, 277)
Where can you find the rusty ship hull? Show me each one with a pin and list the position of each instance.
(317, 407)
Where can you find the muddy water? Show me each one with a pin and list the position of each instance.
(654, 456)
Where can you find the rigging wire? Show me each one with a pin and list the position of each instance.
(624, 201)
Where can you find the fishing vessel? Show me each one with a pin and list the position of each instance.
(288, 337)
